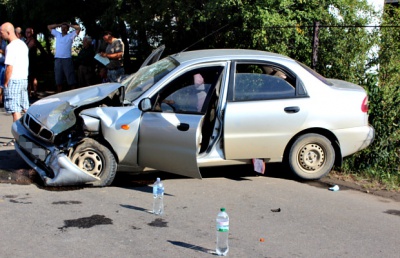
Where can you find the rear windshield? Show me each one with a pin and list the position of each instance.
(317, 75)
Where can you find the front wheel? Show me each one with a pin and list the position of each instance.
(311, 156)
(97, 160)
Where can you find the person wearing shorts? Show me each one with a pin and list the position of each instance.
(16, 97)
(63, 64)
(16, 74)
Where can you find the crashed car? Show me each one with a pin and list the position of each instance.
(196, 109)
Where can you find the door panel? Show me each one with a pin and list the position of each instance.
(262, 129)
(169, 142)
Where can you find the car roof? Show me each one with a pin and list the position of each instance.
(226, 54)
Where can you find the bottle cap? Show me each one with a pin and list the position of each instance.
(222, 209)
(158, 179)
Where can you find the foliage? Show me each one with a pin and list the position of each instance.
(279, 26)
(381, 160)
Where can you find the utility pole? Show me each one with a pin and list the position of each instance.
(315, 41)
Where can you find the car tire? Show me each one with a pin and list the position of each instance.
(97, 160)
(311, 156)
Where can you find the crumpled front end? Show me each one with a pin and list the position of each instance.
(53, 166)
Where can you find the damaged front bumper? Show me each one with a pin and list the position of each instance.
(54, 167)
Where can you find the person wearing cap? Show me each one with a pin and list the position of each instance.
(115, 53)
(63, 64)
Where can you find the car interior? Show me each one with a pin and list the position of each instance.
(195, 92)
(262, 82)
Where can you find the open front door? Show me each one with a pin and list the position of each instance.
(170, 134)
(169, 142)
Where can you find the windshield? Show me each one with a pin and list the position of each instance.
(317, 75)
(142, 80)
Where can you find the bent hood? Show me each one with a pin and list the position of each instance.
(56, 112)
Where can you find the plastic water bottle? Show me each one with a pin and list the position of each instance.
(222, 233)
(158, 196)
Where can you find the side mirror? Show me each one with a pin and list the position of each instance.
(145, 104)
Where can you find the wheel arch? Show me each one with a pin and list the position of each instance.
(99, 138)
(321, 131)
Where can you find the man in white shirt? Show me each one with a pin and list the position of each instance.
(63, 65)
(16, 74)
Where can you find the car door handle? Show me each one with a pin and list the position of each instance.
(292, 109)
(183, 127)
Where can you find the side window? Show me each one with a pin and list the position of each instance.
(190, 92)
(262, 82)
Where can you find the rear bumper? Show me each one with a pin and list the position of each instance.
(55, 168)
(352, 140)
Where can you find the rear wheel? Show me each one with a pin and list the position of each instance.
(97, 160)
(311, 156)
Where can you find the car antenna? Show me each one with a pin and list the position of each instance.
(204, 37)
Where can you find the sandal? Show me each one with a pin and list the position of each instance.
(10, 143)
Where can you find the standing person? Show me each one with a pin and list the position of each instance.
(3, 45)
(16, 76)
(86, 63)
(63, 65)
(18, 33)
(115, 53)
(33, 46)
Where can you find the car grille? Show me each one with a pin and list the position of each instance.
(36, 128)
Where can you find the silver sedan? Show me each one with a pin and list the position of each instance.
(197, 109)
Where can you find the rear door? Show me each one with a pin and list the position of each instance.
(266, 107)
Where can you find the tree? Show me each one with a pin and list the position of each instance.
(278, 26)
(381, 160)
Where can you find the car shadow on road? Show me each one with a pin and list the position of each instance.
(143, 182)
(15, 171)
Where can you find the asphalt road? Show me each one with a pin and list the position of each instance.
(270, 216)
(116, 222)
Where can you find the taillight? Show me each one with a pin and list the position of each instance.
(364, 105)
